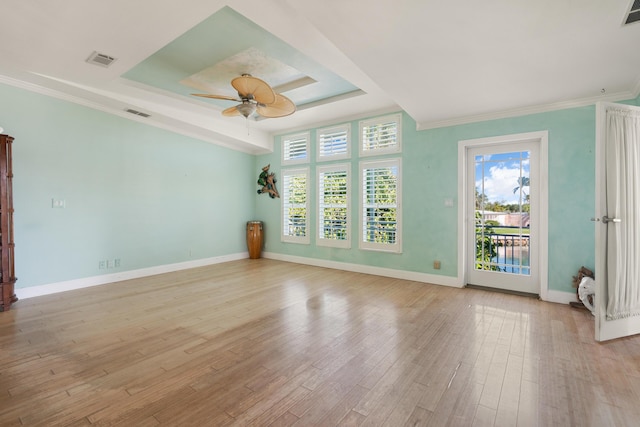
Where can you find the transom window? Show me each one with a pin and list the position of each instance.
(295, 148)
(381, 135)
(334, 142)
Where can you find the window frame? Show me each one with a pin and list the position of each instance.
(321, 240)
(297, 136)
(340, 156)
(373, 246)
(376, 121)
(306, 239)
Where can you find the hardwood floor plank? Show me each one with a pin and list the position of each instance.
(401, 370)
(453, 397)
(484, 417)
(352, 419)
(135, 411)
(419, 417)
(287, 419)
(264, 342)
(405, 406)
(386, 398)
(342, 410)
(319, 402)
(268, 411)
(466, 395)
(528, 404)
(495, 378)
(265, 397)
(508, 404)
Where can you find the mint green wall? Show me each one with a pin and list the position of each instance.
(135, 192)
(151, 197)
(430, 175)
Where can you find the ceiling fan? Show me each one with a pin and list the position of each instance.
(254, 95)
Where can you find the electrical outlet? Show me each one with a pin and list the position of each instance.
(101, 265)
(436, 265)
(109, 263)
(116, 262)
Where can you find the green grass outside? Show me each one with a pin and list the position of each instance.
(499, 230)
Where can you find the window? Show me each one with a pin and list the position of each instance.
(295, 148)
(380, 209)
(381, 135)
(333, 206)
(334, 143)
(295, 206)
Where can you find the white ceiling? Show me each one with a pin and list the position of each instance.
(444, 63)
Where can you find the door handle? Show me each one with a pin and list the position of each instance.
(606, 219)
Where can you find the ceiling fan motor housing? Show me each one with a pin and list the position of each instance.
(246, 108)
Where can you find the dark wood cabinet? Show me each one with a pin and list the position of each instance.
(7, 267)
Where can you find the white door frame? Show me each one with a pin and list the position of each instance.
(465, 222)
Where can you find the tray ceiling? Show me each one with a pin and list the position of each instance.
(443, 63)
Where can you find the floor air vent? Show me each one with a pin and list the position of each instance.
(137, 113)
(100, 59)
(634, 13)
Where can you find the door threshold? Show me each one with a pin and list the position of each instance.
(503, 291)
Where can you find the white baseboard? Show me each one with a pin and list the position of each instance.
(367, 269)
(561, 297)
(69, 285)
(85, 282)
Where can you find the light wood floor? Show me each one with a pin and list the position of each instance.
(263, 342)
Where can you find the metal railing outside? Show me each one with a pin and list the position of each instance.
(512, 250)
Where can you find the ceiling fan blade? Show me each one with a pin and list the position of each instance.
(208, 95)
(282, 106)
(231, 112)
(252, 87)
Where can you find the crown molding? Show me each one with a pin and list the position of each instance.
(536, 109)
(53, 93)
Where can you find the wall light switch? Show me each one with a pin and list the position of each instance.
(448, 203)
(58, 203)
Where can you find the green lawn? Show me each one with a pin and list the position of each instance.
(499, 230)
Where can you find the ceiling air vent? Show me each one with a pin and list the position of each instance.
(100, 59)
(634, 13)
(137, 113)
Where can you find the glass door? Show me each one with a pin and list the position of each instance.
(502, 243)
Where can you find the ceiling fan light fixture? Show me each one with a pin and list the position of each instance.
(246, 109)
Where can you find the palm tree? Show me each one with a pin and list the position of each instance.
(523, 181)
(486, 248)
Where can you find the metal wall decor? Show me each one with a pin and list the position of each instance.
(268, 182)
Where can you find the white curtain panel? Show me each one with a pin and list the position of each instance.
(623, 202)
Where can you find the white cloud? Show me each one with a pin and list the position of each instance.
(500, 181)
